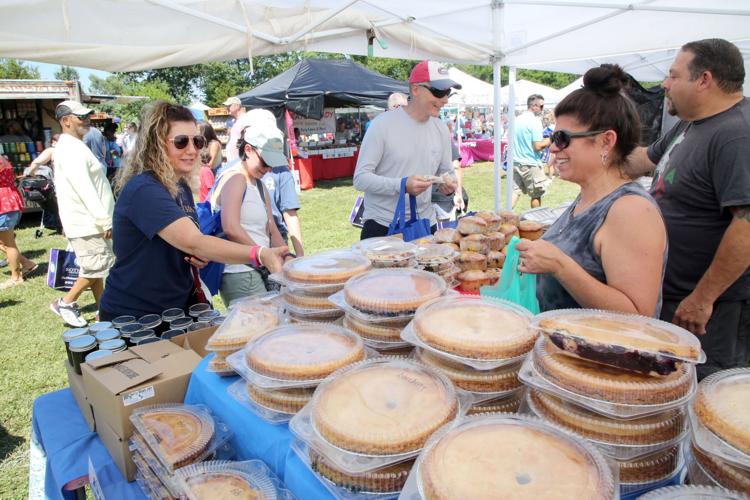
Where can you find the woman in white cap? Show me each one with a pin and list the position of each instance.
(155, 231)
(246, 215)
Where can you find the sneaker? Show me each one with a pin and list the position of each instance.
(10, 282)
(70, 313)
(3, 262)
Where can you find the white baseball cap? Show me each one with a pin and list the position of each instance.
(66, 108)
(269, 140)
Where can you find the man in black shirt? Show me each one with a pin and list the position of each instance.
(702, 185)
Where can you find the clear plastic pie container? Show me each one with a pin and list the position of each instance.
(508, 403)
(533, 378)
(481, 332)
(649, 468)
(626, 341)
(719, 416)
(497, 380)
(692, 492)
(388, 333)
(325, 271)
(606, 383)
(379, 484)
(179, 434)
(149, 487)
(250, 479)
(387, 252)
(636, 488)
(718, 471)
(316, 314)
(375, 413)
(219, 366)
(243, 323)
(275, 406)
(306, 300)
(485, 439)
(149, 481)
(435, 257)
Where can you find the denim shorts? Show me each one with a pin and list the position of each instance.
(9, 220)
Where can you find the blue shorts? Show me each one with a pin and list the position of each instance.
(9, 220)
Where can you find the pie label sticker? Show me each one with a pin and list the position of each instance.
(134, 397)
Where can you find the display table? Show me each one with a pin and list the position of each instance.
(315, 167)
(59, 429)
(480, 150)
(254, 437)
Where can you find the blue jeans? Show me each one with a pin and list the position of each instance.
(9, 220)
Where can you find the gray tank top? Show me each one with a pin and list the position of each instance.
(574, 235)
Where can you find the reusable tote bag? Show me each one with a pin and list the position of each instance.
(411, 229)
(514, 286)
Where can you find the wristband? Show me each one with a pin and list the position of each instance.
(254, 254)
(289, 254)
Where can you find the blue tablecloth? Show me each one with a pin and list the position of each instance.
(61, 432)
(254, 437)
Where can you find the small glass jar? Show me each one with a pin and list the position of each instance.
(121, 321)
(208, 316)
(171, 333)
(98, 354)
(218, 320)
(143, 334)
(172, 314)
(128, 330)
(198, 325)
(181, 324)
(152, 322)
(80, 347)
(69, 335)
(99, 326)
(105, 335)
(148, 340)
(196, 309)
(115, 345)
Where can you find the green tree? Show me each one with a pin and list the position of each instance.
(118, 84)
(18, 70)
(68, 74)
(550, 78)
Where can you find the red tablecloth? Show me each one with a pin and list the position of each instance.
(315, 168)
(479, 150)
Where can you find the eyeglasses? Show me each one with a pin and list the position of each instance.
(438, 93)
(561, 138)
(181, 141)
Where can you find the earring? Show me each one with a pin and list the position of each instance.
(605, 157)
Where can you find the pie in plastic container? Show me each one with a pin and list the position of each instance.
(692, 492)
(222, 479)
(723, 473)
(625, 341)
(502, 379)
(325, 268)
(387, 252)
(243, 323)
(392, 292)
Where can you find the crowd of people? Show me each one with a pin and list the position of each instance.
(680, 252)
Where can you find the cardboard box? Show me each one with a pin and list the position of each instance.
(75, 382)
(141, 376)
(117, 448)
(196, 341)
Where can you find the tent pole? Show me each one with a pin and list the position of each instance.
(511, 130)
(497, 118)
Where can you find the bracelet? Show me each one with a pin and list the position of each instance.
(260, 249)
(289, 254)
(254, 251)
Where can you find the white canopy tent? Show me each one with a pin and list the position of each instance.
(119, 35)
(525, 88)
(474, 92)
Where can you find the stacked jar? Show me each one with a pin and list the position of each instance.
(622, 382)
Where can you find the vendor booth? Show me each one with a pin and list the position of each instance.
(311, 91)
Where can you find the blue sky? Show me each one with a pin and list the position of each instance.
(48, 72)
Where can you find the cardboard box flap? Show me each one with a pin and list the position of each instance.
(131, 373)
(155, 351)
(117, 357)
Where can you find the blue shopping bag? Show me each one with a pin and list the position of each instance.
(62, 271)
(514, 286)
(411, 229)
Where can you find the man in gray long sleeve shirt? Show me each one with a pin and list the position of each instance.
(409, 142)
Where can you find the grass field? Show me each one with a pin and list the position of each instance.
(32, 354)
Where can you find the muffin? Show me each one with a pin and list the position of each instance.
(472, 225)
(468, 261)
(495, 260)
(496, 240)
(530, 230)
(492, 219)
(447, 235)
(475, 243)
(473, 280)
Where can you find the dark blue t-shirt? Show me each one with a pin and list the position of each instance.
(149, 274)
(280, 185)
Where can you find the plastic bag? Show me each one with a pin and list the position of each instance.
(514, 286)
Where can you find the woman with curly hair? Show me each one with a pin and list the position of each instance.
(155, 231)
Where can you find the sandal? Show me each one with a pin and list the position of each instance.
(25, 273)
(10, 283)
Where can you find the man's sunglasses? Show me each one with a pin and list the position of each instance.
(181, 141)
(561, 138)
(438, 93)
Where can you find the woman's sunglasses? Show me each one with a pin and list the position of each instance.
(181, 141)
(561, 138)
(438, 93)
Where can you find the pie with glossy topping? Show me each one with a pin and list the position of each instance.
(607, 383)
(326, 268)
(304, 352)
(181, 435)
(383, 408)
(224, 485)
(474, 327)
(723, 406)
(392, 291)
(512, 459)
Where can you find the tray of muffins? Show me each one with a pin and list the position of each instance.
(719, 422)
(521, 456)
(227, 479)
(375, 414)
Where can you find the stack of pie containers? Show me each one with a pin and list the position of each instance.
(509, 456)
(309, 281)
(387, 252)
(720, 424)
(222, 479)
(380, 303)
(246, 320)
(620, 381)
(693, 492)
(439, 259)
(479, 343)
(281, 369)
(170, 436)
(367, 422)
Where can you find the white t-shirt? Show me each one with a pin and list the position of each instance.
(396, 146)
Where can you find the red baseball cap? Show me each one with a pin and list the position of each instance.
(434, 74)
